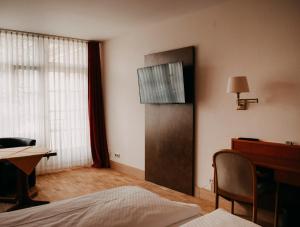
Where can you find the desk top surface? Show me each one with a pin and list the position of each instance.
(24, 158)
(19, 152)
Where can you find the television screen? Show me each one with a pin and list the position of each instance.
(161, 83)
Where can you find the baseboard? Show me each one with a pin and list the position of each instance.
(140, 174)
(128, 170)
(203, 193)
(197, 191)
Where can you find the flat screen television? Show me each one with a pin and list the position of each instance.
(161, 84)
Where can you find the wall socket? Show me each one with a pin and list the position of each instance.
(117, 155)
(289, 143)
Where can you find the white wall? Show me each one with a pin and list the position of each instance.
(259, 39)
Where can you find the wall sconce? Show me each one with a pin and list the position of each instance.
(239, 84)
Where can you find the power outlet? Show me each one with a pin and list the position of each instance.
(289, 143)
(117, 155)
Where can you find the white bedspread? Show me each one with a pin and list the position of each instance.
(219, 218)
(123, 206)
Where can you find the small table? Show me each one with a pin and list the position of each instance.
(25, 159)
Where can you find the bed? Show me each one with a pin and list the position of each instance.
(123, 206)
(219, 218)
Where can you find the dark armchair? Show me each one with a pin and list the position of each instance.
(8, 172)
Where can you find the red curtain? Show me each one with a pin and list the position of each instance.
(96, 108)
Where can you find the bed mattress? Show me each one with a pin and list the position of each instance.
(219, 218)
(123, 206)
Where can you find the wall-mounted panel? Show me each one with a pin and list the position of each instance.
(169, 142)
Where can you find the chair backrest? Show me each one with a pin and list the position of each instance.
(16, 142)
(235, 176)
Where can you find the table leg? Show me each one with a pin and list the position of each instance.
(23, 198)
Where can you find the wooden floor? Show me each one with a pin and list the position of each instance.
(76, 182)
(81, 181)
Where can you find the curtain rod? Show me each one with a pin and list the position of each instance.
(42, 34)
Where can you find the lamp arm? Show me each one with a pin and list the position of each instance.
(250, 100)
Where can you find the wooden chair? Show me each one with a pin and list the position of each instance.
(235, 179)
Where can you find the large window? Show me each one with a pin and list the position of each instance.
(43, 95)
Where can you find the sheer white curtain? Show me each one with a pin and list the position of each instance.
(44, 96)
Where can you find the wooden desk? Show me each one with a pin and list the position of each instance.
(283, 159)
(25, 159)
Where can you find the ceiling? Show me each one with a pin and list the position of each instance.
(91, 19)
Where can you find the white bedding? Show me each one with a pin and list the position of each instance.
(124, 206)
(219, 218)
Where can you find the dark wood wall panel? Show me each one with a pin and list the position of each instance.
(169, 142)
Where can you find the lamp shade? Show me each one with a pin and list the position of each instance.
(237, 84)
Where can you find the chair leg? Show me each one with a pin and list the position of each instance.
(276, 205)
(232, 206)
(254, 213)
(217, 201)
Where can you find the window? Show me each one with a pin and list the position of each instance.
(44, 95)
